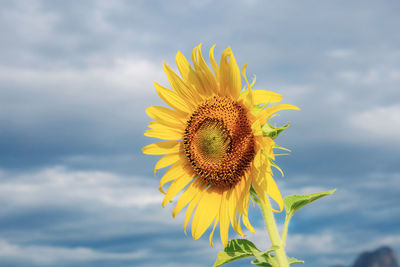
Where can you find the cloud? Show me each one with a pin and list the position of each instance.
(120, 74)
(30, 25)
(50, 255)
(340, 53)
(76, 204)
(86, 216)
(319, 243)
(94, 92)
(59, 187)
(114, 208)
(90, 109)
(381, 124)
(372, 76)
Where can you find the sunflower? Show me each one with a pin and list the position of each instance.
(216, 141)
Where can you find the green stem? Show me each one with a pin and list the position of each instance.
(273, 262)
(274, 235)
(285, 229)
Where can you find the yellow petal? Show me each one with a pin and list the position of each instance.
(256, 128)
(238, 193)
(203, 87)
(258, 160)
(264, 184)
(264, 115)
(172, 99)
(180, 87)
(247, 97)
(165, 129)
(232, 210)
(183, 65)
(244, 204)
(204, 71)
(189, 75)
(166, 116)
(229, 73)
(214, 63)
(156, 125)
(176, 187)
(206, 211)
(247, 223)
(224, 220)
(175, 172)
(212, 232)
(191, 191)
(273, 191)
(191, 207)
(166, 161)
(164, 133)
(160, 148)
(264, 96)
(239, 227)
(260, 192)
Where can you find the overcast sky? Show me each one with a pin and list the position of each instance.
(76, 77)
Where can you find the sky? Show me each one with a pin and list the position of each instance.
(77, 76)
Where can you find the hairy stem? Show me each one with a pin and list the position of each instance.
(285, 229)
(273, 234)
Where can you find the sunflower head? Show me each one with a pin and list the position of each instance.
(217, 140)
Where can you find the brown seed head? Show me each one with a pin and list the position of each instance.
(219, 142)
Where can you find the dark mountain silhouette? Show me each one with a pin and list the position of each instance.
(382, 257)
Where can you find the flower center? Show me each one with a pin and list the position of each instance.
(212, 140)
(219, 142)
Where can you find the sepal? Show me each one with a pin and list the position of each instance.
(272, 131)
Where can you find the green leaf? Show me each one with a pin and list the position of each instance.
(294, 261)
(263, 262)
(265, 258)
(266, 261)
(235, 250)
(295, 202)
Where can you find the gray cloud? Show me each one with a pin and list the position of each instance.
(92, 215)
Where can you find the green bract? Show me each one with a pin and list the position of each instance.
(273, 131)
